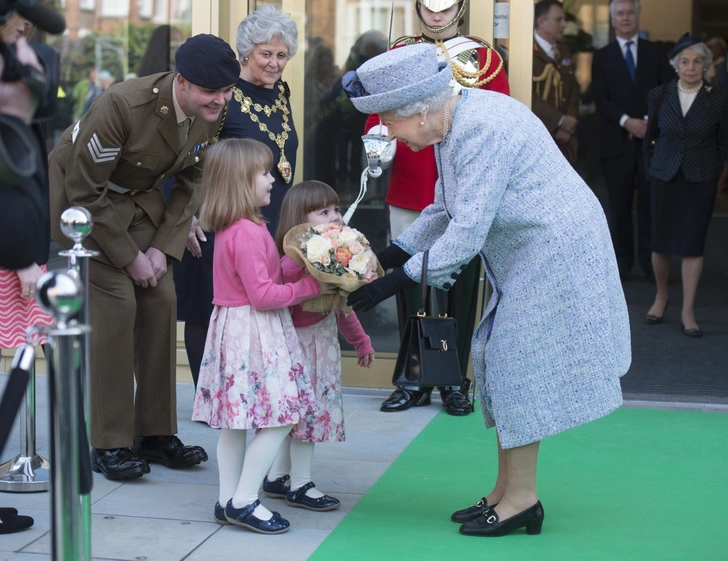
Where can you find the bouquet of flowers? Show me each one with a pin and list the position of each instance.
(339, 255)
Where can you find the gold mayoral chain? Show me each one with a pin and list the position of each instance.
(284, 166)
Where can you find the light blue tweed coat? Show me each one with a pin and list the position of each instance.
(555, 336)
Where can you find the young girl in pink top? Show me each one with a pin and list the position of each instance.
(252, 374)
(314, 201)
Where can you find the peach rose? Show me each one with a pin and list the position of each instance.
(343, 256)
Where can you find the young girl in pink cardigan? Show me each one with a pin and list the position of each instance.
(252, 374)
(316, 202)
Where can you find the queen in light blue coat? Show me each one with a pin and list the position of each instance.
(555, 337)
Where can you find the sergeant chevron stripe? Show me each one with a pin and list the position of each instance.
(100, 154)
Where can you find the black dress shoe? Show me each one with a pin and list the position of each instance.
(456, 402)
(299, 499)
(244, 517)
(691, 332)
(402, 399)
(11, 522)
(276, 489)
(490, 525)
(472, 512)
(219, 515)
(119, 463)
(168, 451)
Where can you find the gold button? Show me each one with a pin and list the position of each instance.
(155, 90)
(197, 159)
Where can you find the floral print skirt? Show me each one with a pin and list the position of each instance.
(252, 373)
(322, 357)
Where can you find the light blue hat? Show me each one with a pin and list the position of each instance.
(396, 78)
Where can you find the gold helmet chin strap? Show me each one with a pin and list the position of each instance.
(439, 6)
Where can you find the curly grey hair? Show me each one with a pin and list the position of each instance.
(261, 26)
(425, 105)
(637, 6)
(700, 49)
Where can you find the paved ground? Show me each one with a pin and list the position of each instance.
(167, 515)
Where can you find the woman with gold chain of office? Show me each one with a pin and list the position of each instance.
(259, 109)
(475, 64)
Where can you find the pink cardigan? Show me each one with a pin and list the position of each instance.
(246, 270)
(349, 325)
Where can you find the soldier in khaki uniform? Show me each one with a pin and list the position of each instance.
(113, 162)
(555, 98)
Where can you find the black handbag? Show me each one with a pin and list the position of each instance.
(428, 351)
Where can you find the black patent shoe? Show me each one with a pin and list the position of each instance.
(245, 518)
(402, 399)
(489, 524)
(168, 451)
(472, 512)
(118, 463)
(299, 499)
(219, 515)
(276, 489)
(456, 402)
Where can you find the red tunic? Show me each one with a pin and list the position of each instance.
(412, 183)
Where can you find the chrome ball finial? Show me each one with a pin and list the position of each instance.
(76, 224)
(60, 295)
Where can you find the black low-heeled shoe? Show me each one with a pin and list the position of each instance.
(654, 320)
(245, 518)
(489, 525)
(472, 512)
(276, 489)
(691, 332)
(299, 499)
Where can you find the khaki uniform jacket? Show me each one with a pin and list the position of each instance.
(129, 137)
(555, 89)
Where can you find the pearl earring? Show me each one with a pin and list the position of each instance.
(422, 123)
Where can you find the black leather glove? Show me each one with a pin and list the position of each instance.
(368, 296)
(392, 257)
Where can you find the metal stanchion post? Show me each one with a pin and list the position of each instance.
(27, 472)
(62, 295)
(76, 224)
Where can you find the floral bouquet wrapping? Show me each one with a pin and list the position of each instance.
(335, 254)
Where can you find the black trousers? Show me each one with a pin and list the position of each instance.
(623, 175)
(460, 302)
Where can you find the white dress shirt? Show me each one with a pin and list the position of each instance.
(546, 47)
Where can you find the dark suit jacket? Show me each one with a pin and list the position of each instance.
(615, 94)
(696, 143)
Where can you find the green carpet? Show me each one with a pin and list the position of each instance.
(638, 485)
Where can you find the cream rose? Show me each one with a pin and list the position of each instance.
(347, 236)
(316, 247)
(359, 263)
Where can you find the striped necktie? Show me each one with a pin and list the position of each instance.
(629, 58)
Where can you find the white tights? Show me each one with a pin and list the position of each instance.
(241, 473)
(295, 456)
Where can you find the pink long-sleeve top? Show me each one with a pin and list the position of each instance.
(246, 270)
(349, 325)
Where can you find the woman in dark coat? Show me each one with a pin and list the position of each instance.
(685, 147)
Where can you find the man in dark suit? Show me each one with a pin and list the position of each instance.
(622, 74)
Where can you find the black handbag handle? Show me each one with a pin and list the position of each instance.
(423, 285)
